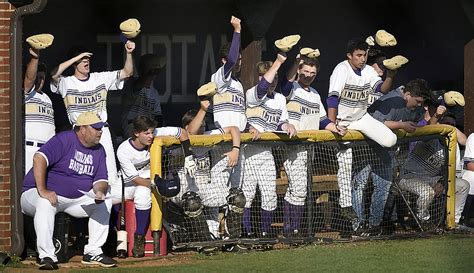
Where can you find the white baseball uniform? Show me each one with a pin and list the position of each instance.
(265, 115)
(305, 112)
(353, 89)
(39, 124)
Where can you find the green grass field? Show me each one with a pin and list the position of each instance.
(449, 253)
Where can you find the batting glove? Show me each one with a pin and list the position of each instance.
(190, 165)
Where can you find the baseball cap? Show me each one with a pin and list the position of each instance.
(168, 187)
(90, 118)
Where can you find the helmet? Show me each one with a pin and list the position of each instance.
(168, 187)
(192, 204)
(236, 200)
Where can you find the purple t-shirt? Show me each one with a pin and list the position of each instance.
(70, 166)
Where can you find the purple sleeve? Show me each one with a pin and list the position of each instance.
(279, 128)
(233, 53)
(323, 123)
(333, 101)
(286, 86)
(262, 88)
(379, 87)
(101, 173)
(53, 149)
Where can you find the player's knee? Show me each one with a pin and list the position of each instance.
(43, 204)
(389, 141)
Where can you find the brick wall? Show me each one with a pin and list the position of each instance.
(6, 10)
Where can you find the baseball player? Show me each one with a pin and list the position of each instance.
(350, 84)
(213, 192)
(142, 98)
(86, 92)
(134, 157)
(304, 108)
(229, 106)
(69, 175)
(39, 113)
(266, 112)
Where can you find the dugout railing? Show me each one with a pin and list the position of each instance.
(322, 218)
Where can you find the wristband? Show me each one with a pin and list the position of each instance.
(236, 147)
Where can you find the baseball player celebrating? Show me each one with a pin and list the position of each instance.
(350, 84)
(87, 92)
(67, 166)
(39, 113)
(304, 110)
(266, 112)
(212, 191)
(229, 105)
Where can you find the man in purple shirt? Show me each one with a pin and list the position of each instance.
(68, 166)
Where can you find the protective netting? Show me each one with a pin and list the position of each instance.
(301, 191)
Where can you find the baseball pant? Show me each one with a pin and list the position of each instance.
(141, 195)
(106, 141)
(260, 170)
(372, 129)
(29, 153)
(297, 171)
(43, 214)
(379, 194)
(462, 190)
(424, 191)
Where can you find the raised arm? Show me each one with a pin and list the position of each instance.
(31, 70)
(196, 123)
(57, 71)
(233, 54)
(387, 83)
(127, 70)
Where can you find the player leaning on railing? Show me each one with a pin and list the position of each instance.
(266, 112)
(305, 109)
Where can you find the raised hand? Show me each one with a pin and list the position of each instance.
(235, 22)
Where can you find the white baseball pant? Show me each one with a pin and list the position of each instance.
(372, 129)
(106, 141)
(43, 213)
(297, 171)
(141, 195)
(260, 170)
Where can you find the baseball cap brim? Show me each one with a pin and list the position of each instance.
(98, 125)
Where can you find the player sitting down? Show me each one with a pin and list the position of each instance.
(134, 158)
(266, 112)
